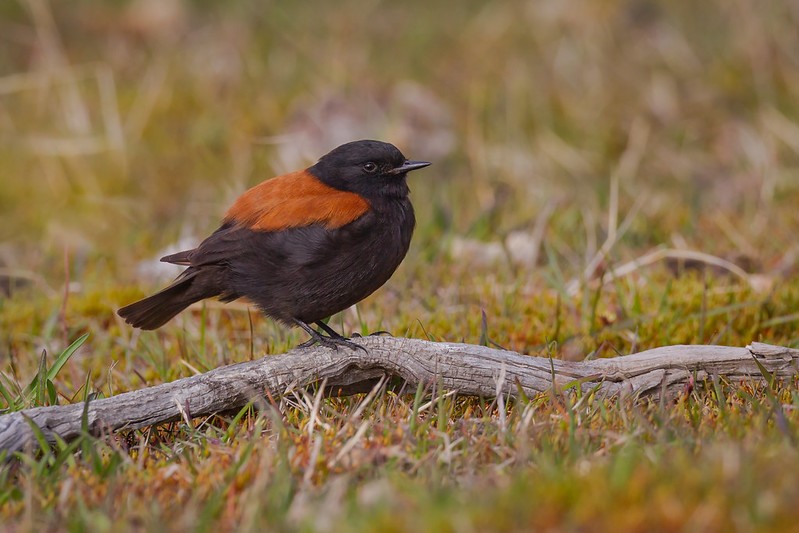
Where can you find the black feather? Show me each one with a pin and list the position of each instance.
(154, 311)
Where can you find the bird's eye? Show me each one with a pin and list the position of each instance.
(370, 167)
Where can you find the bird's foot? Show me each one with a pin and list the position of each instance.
(332, 340)
(373, 334)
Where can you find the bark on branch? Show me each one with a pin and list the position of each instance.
(469, 369)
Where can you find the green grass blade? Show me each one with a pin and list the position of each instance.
(9, 398)
(62, 359)
(38, 383)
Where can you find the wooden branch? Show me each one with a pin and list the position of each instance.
(471, 370)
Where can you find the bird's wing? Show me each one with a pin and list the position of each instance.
(295, 200)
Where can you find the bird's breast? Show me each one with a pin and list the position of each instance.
(370, 249)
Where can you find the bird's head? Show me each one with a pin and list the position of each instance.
(372, 169)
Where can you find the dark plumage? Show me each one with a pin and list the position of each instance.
(302, 246)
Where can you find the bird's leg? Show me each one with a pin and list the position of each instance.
(327, 329)
(330, 342)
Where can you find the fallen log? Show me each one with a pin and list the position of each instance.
(468, 369)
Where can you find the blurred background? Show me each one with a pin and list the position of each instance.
(567, 136)
(609, 176)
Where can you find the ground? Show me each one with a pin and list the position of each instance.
(608, 177)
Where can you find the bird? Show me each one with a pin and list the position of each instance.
(301, 246)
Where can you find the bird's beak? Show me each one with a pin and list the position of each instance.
(407, 166)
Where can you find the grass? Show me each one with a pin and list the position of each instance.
(570, 139)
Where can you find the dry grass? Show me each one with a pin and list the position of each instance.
(609, 176)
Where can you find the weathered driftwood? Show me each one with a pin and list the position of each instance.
(471, 370)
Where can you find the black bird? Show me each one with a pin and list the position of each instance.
(302, 246)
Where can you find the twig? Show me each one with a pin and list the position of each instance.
(468, 369)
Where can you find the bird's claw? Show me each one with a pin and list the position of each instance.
(373, 334)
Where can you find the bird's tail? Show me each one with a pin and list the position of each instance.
(156, 310)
